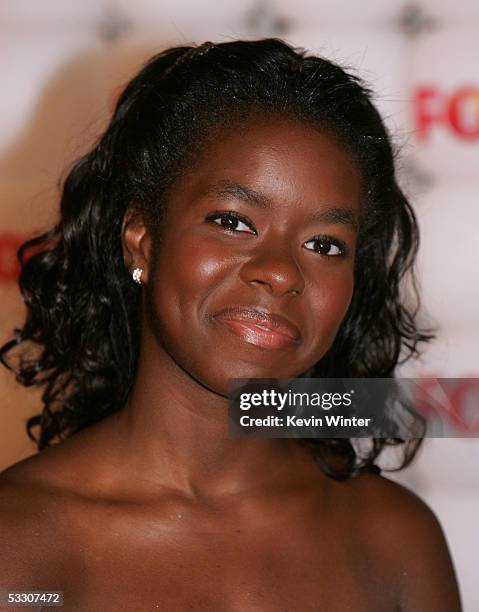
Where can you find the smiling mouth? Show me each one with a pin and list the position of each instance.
(257, 334)
(260, 329)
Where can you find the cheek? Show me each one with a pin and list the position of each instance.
(331, 303)
(186, 276)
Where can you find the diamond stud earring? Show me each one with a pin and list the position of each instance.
(136, 274)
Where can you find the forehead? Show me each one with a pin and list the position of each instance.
(286, 161)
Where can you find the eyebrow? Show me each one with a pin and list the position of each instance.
(230, 190)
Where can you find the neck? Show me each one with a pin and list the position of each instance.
(173, 434)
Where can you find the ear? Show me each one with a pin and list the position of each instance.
(136, 242)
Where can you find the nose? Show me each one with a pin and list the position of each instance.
(276, 270)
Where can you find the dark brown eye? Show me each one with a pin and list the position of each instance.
(327, 246)
(231, 222)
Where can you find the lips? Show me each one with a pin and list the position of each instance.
(259, 327)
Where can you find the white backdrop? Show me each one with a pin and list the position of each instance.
(63, 62)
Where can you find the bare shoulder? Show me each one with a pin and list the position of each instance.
(40, 502)
(408, 537)
(28, 530)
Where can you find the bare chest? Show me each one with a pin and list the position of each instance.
(231, 569)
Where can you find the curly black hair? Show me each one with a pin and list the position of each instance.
(80, 340)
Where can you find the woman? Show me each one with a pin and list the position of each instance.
(238, 187)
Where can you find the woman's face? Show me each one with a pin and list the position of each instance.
(263, 227)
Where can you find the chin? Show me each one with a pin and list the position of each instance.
(221, 383)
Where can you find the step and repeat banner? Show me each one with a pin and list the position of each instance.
(63, 64)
